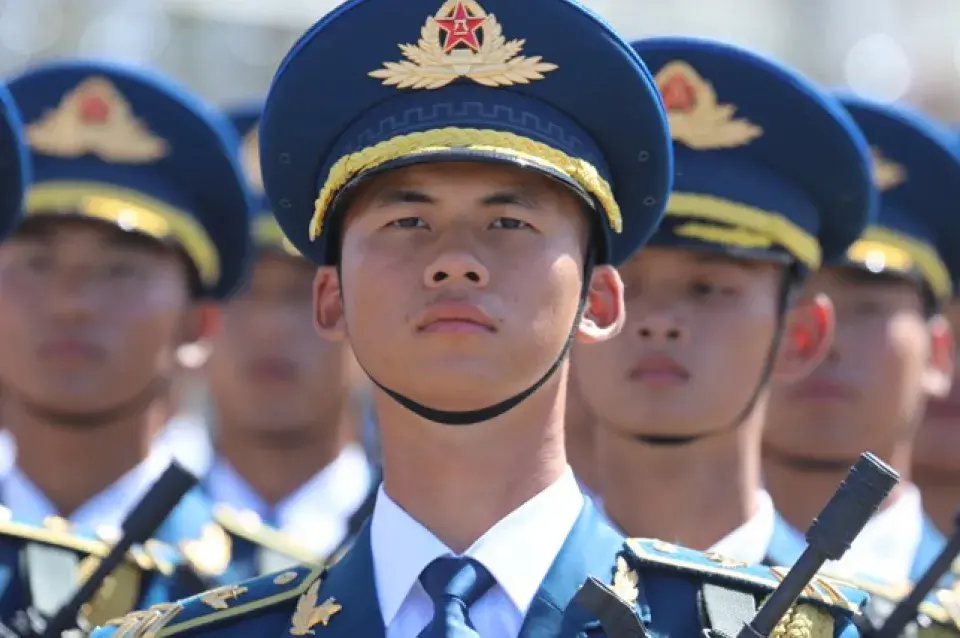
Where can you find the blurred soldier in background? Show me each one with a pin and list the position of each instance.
(578, 430)
(936, 450)
(893, 350)
(136, 218)
(283, 398)
(680, 395)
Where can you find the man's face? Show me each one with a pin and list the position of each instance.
(868, 393)
(699, 330)
(937, 446)
(270, 374)
(91, 315)
(453, 274)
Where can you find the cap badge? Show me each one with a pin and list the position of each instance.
(462, 41)
(887, 174)
(696, 119)
(94, 118)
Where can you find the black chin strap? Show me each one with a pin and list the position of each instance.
(469, 417)
(788, 276)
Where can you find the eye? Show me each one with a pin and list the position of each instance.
(408, 222)
(510, 223)
(121, 269)
(703, 289)
(39, 263)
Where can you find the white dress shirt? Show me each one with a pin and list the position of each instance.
(886, 547)
(518, 551)
(316, 514)
(104, 510)
(749, 542)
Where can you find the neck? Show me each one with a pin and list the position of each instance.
(459, 481)
(277, 471)
(693, 494)
(941, 496)
(581, 452)
(71, 464)
(800, 492)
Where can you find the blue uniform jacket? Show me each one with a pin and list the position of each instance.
(664, 585)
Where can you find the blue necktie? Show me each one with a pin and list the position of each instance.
(453, 585)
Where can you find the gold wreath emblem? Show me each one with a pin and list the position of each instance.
(696, 118)
(887, 174)
(462, 41)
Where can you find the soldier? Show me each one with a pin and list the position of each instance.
(136, 219)
(936, 451)
(283, 397)
(893, 350)
(712, 316)
(467, 209)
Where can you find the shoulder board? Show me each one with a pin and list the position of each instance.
(647, 553)
(931, 607)
(231, 601)
(248, 526)
(56, 532)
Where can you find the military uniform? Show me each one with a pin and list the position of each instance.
(917, 169)
(492, 82)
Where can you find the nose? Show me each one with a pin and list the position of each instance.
(456, 267)
(661, 328)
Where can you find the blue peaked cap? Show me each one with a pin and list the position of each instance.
(917, 171)
(541, 84)
(129, 147)
(768, 166)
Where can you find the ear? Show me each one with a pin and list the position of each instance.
(200, 321)
(938, 374)
(808, 335)
(604, 312)
(328, 317)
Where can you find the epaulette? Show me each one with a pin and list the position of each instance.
(823, 591)
(247, 525)
(231, 601)
(56, 532)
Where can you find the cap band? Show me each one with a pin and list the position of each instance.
(750, 227)
(883, 249)
(509, 145)
(131, 211)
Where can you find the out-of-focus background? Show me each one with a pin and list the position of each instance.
(228, 50)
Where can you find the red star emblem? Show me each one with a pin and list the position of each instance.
(94, 110)
(678, 94)
(461, 27)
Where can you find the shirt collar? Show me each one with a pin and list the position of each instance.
(749, 542)
(518, 551)
(104, 510)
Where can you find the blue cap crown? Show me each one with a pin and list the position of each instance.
(540, 84)
(768, 166)
(128, 147)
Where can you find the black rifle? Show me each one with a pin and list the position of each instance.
(139, 525)
(906, 610)
(829, 537)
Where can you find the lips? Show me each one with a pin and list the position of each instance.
(459, 318)
(71, 350)
(273, 369)
(659, 370)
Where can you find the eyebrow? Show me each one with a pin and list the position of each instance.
(709, 259)
(516, 196)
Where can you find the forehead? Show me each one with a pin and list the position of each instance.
(673, 258)
(851, 278)
(461, 178)
(280, 264)
(82, 229)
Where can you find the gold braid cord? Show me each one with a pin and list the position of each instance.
(444, 139)
(805, 621)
